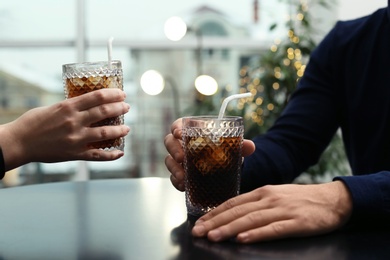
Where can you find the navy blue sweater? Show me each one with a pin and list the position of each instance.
(346, 85)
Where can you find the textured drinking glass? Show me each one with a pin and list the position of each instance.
(212, 161)
(81, 78)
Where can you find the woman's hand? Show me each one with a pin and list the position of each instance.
(176, 154)
(62, 132)
(279, 211)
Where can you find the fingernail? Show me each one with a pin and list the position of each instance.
(242, 238)
(199, 221)
(215, 235)
(198, 230)
(120, 154)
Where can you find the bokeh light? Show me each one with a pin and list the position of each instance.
(175, 28)
(206, 85)
(152, 82)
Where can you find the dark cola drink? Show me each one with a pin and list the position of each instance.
(212, 165)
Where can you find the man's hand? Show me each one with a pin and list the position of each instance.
(279, 211)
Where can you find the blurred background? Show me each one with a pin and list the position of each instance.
(260, 46)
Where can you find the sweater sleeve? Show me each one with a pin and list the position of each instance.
(305, 128)
(315, 111)
(371, 197)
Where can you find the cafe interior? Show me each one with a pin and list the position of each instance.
(171, 44)
(179, 58)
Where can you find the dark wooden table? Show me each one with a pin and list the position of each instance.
(141, 219)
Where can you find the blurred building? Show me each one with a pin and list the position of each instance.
(218, 45)
(215, 45)
(19, 92)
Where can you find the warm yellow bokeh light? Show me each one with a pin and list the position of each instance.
(206, 85)
(277, 41)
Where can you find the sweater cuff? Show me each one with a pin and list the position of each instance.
(370, 202)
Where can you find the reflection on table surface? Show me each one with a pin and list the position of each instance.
(339, 245)
(141, 219)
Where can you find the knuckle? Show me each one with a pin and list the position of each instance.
(104, 109)
(231, 203)
(95, 155)
(168, 163)
(177, 133)
(120, 95)
(166, 139)
(72, 139)
(66, 106)
(254, 217)
(103, 133)
(263, 191)
(177, 170)
(174, 168)
(166, 158)
(69, 125)
(98, 95)
(64, 103)
(238, 212)
(278, 228)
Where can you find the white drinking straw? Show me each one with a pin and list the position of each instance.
(230, 98)
(109, 50)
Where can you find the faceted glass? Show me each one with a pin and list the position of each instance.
(81, 78)
(212, 161)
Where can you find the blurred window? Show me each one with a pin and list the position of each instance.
(213, 29)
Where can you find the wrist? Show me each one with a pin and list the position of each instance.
(11, 147)
(344, 201)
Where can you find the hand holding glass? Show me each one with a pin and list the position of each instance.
(81, 78)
